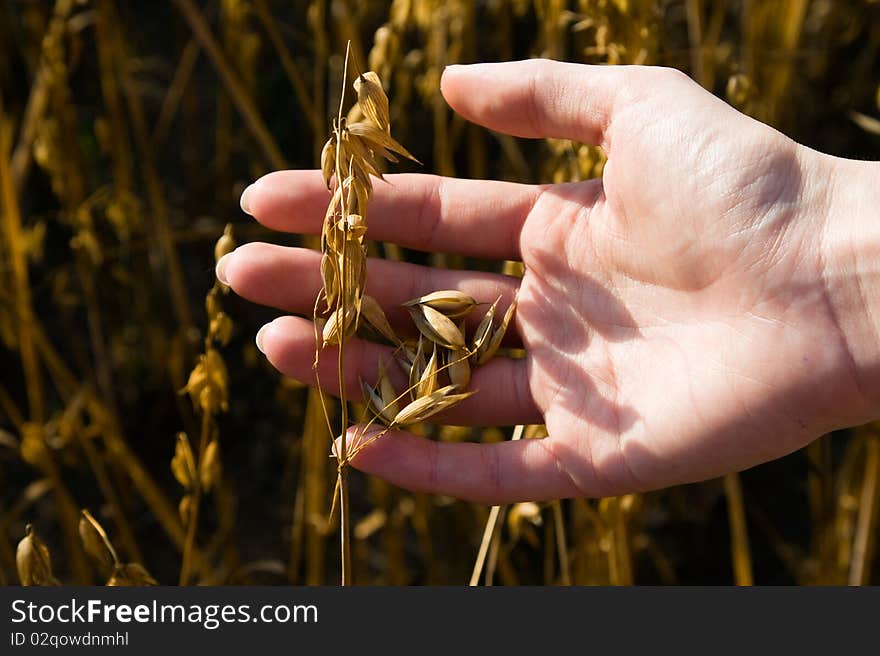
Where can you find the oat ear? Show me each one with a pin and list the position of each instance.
(183, 464)
(376, 139)
(329, 278)
(209, 465)
(32, 560)
(384, 410)
(334, 328)
(458, 368)
(96, 542)
(484, 331)
(494, 341)
(372, 100)
(375, 316)
(436, 326)
(427, 384)
(356, 150)
(389, 396)
(427, 406)
(328, 160)
(417, 365)
(453, 303)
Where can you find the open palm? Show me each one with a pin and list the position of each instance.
(673, 314)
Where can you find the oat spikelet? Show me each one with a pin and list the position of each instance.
(372, 100)
(453, 303)
(96, 542)
(33, 561)
(427, 406)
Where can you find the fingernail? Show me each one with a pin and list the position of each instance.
(261, 333)
(463, 67)
(243, 201)
(357, 436)
(220, 269)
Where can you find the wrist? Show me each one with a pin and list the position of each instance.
(850, 271)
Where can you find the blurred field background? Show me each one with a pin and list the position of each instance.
(128, 130)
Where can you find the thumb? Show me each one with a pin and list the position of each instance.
(541, 97)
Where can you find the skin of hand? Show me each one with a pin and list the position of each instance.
(702, 308)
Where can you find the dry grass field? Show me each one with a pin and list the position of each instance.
(144, 439)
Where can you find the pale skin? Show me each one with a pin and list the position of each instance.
(708, 305)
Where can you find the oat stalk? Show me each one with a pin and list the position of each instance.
(492, 525)
(349, 161)
(342, 469)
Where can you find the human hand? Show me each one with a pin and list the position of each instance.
(676, 314)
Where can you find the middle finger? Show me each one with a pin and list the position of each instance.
(290, 279)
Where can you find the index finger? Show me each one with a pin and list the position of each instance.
(481, 218)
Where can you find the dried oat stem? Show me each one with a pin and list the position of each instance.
(866, 533)
(492, 525)
(240, 97)
(342, 468)
(739, 534)
(12, 229)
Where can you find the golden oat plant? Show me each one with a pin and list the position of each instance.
(348, 162)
